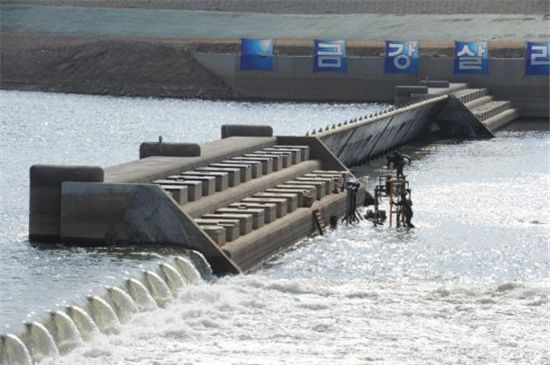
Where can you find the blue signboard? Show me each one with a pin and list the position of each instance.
(537, 58)
(471, 58)
(401, 57)
(256, 54)
(330, 56)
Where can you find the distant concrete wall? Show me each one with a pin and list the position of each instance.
(109, 214)
(365, 81)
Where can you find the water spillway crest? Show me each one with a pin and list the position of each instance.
(122, 303)
(194, 267)
(13, 351)
(103, 314)
(172, 277)
(158, 288)
(83, 321)
(39, 341)
(63, 331)
(141, 295)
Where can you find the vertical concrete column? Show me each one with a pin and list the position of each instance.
(45, 196)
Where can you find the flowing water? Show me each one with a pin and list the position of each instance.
(470, 284)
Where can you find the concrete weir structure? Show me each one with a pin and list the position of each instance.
(236, 200)
(242, 198)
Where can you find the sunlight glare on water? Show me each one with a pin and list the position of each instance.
(470, 284)
(463, 287)
(46, 128)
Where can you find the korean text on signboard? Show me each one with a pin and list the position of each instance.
(256, 54)
(401, 57)
(471, 58)
(330, 56)
(537, 58)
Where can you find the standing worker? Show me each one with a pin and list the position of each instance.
(406, 209)
(398, 161)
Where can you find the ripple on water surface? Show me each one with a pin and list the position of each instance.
(79, 129)
(468, 285)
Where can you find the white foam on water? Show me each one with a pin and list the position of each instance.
(258, 319)
(457, 289)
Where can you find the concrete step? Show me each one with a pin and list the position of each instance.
(500, 120)
(230, 226)
(320, 186)
(271, 204)
(292, 199)
(222, 178)
(234, 194)
(281, 206)
(267, 163)
(467, 95)
(208, 183)
(276, 160)
(304, 150)
(258, 215)
(479, 101)
(178, 193)
(219, 176)
(194, 188)
(295, 153)
(245, 220)
(288, 157)
(255, 166)
(304, 188)
(245, 170)
(490, 109)
(216, 233)
(270, 209)
(234, 173)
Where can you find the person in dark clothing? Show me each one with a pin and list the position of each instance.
(406, 210)
(398, 161)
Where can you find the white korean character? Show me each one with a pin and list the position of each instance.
(539, 55)
(467, 59)
(330, 55)
(401, 61)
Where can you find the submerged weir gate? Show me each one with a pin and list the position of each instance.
(228, 204)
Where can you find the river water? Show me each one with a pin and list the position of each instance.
(470, 284)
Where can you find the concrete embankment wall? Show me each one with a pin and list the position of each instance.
(365, 80)
(103, 47)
